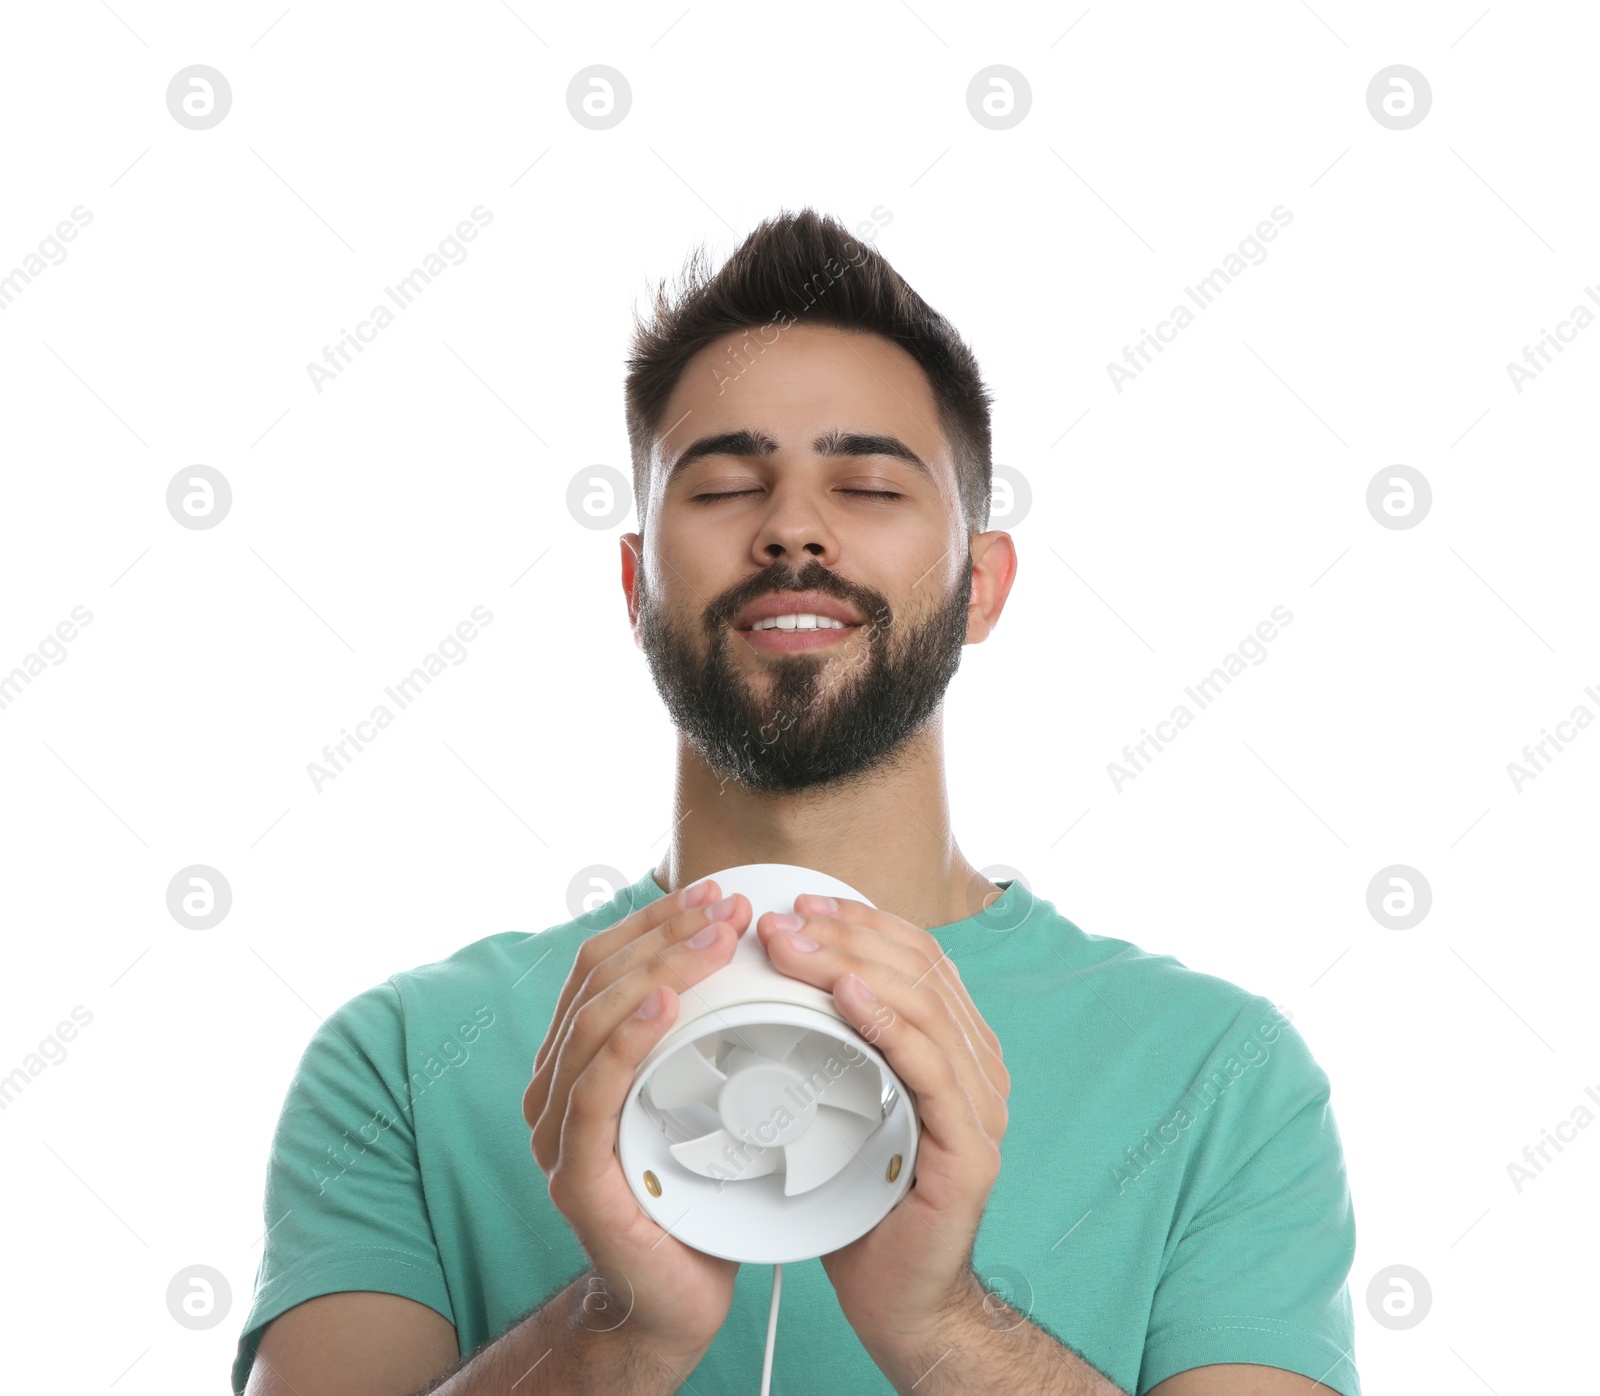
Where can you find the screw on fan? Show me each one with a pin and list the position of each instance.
(788, 1098)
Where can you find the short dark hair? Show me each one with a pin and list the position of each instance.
(807, 268)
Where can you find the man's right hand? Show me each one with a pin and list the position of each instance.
(662, 1292)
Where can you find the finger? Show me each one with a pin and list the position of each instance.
(850, 948)
(899, 929)
(630, 956)
(678, 968)
(920, 1004)
(948, 1114)
(603, 943)
(593, 1109)
(918, 963)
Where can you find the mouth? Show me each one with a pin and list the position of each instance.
(793, 634)
(792, 622)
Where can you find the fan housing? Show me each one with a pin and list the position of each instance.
(764, 1128)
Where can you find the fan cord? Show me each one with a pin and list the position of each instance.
(772, 1329)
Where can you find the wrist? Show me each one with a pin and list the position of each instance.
(908, 1352)
(604, 1328)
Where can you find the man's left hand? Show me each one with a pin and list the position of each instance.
(907, 1280)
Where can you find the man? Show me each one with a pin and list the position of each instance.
(811, 442)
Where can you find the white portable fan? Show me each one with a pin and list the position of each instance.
(764, 1128)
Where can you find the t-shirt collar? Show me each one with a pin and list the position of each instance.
(1013, 908)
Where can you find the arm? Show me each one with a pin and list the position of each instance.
(985, 1345)
(671, 1299)
(362, 1343)
(357, 1343)
(1239, 1379)
(936, 1331)
(568, 1347)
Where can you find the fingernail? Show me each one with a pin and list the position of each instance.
(787, 921)
(718, 911)
(801, 942)
(650, 1007)
(823, 906)
(861, 988)
(700, 939)
(693, 893)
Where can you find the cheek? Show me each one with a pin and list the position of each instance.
(689, 567)
(915, 557)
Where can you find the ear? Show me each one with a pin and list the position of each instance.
(994, 568)
(632, 555)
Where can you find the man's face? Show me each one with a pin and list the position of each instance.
(775, 519)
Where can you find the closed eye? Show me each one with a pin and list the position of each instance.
(736, 494)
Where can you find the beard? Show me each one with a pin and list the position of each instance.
(791, 734)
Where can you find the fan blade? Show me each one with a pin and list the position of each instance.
(685, 1078)
(712, 1151)
(771, 1040)
(858, 1088)
(823, 1149)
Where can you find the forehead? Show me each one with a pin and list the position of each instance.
(797, 385)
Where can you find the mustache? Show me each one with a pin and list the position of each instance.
(812, 577)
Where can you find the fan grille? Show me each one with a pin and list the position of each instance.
(744, 1102)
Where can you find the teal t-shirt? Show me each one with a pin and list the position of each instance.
(1172, 1190)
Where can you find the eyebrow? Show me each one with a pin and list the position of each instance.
(757, 443)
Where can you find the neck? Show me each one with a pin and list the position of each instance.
(887, 835)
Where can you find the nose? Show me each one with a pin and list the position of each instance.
(795, 530)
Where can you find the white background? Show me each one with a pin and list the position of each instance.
(1167, 521)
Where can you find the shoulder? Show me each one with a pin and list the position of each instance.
(1193, 1023)
(1154, 983)
(509, 976)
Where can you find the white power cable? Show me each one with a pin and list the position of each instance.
(772, 1329)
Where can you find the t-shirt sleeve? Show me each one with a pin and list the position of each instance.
(344, 1205)
(1259, 1273)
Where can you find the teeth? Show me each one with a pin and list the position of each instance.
(804, 620)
